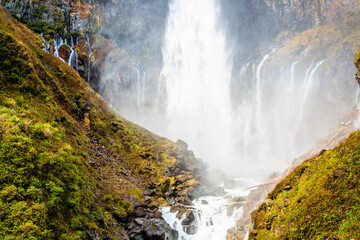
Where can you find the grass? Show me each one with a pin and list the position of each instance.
(324, 198)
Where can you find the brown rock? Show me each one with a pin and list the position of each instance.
(87, 121)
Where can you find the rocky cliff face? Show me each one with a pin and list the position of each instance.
(298, 15)
(69, 16)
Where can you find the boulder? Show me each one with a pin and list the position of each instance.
(183, 145)
(189, 218)
(190, 229)
(139, 212)
(158, 229)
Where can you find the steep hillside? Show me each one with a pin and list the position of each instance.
(320, 199)
(70, 168)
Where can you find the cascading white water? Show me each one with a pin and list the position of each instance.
(283, 115)
(89, 57)
(213, 215)
(267, 119)
(58, 43)
(196, 74)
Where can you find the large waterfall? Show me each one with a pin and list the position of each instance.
(196, 76)
(250, 121)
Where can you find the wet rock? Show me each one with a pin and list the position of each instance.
(170, 200)
(176, 207)
(139, 212)
(184, 200)
(157, 214)
(158, 229)
(140, 221)
(190, 229)
(189, 218)
(204, 202)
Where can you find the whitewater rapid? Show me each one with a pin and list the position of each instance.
(211, 214)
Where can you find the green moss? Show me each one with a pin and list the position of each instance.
(324, 197)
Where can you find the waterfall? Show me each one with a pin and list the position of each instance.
(278, 119)
(58, 42)
(250, 121)
(140, 80)
(258, 90)
(46, 47)
(89, 57)
(196, 76)
(73, 59)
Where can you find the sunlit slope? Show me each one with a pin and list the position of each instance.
(320, 199)
(66, 160)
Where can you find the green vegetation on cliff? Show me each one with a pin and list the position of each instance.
(320, 199)
(67, 162)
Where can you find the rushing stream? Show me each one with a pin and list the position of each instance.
(213, 214)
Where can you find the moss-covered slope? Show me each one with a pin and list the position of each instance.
(320, 199)
(67, 162)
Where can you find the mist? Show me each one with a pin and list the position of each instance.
(211, 73)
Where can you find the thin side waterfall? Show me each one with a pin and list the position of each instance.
(73, 59)
(140, 78)
(282, 127)
(196, 76)
(58, 43)
(258, 90)
(89, 57)
(46, 47)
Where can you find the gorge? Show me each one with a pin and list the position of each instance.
(254, 88)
